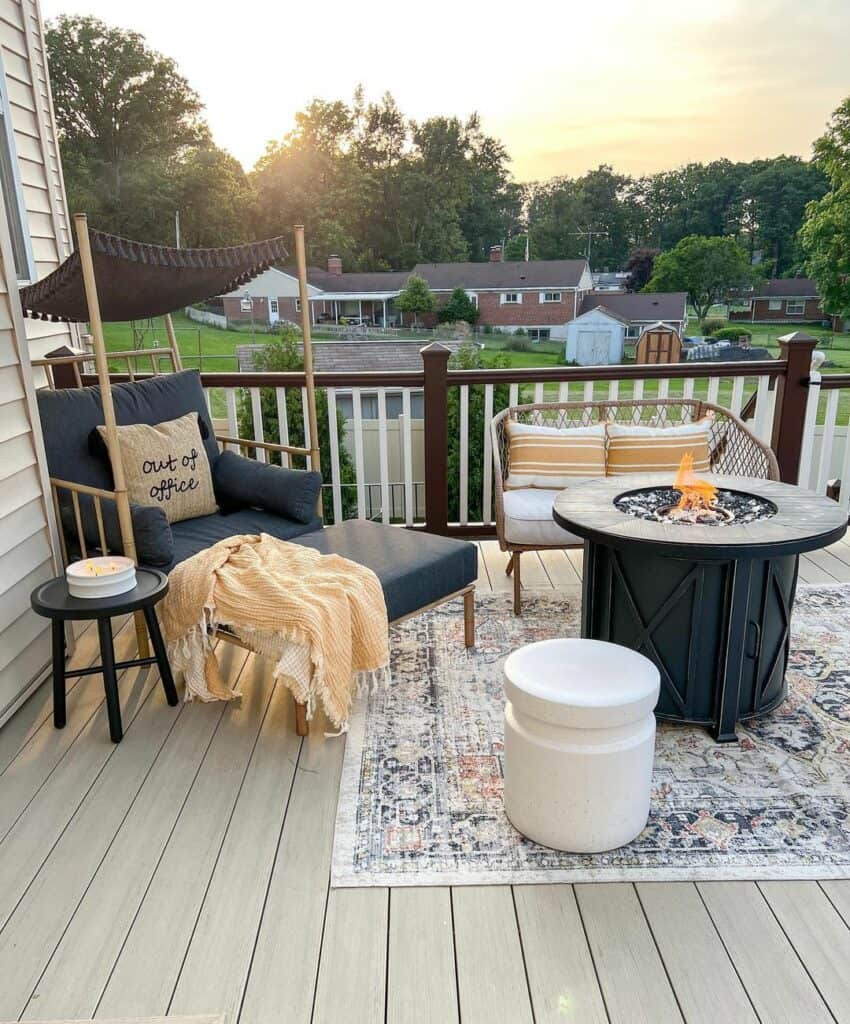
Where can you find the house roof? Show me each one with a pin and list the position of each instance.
(363, 283)
(604, 309)
(642, 306)
(511, 274)
(787, 287)
(355, 356)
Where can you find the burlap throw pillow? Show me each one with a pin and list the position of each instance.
(167, 465)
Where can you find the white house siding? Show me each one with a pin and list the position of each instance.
(272, 284)
(26, 557)
(26, 552)
(31, 107)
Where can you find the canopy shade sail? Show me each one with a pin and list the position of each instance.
(136, 280)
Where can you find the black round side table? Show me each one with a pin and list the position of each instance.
(53, 601)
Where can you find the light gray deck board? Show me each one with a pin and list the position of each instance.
(560, 968)
(37, 923)
(148, 966)
(702, 975)
(289, 940)
(38, 709)
(80, 966)
(352, 972)
(130, 930)
(46, 746)
(775, 980)
(28, 842)
(421, 983)
(216, 965)
(838, 892)
(819, 935)
(491, 979)
(630, 971)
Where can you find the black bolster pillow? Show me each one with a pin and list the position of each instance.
(151, 529)
(241, 483)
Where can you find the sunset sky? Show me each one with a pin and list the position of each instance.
(567, 86)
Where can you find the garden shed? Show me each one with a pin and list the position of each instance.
(596, 338)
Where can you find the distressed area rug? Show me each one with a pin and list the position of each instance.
(421, 795)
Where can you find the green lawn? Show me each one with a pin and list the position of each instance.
(211, 349)
(200, 346)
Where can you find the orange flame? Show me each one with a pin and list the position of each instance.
(696, 494)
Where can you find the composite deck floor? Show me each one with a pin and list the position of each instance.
(186, 871)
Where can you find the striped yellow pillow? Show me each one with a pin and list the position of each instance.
(640, 449)
(552, 457)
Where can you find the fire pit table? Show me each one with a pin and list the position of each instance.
(709, 603)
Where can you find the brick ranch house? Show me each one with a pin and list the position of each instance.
(540, 297)
(785, 300)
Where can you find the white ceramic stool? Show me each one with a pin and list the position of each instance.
(579, 743)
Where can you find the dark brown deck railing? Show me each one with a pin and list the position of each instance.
(786, 377)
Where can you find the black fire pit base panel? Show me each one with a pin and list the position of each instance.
(718, 630)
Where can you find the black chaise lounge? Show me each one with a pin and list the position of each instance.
(417, 570)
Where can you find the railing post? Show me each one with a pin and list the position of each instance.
(435, 359)
(792, 395)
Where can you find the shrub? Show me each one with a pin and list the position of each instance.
(517, 344)
(711, 324)
(459, 306)
(456, 330)
(731, 334)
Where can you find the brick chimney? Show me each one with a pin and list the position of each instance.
(495, 254)
(334, 264)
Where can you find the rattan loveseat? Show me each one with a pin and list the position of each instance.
(527, 524)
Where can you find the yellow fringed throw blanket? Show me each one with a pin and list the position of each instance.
(321, 618)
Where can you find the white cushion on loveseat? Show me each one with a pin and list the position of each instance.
(528, 519)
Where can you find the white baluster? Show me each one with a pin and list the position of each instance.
(383, 456)
(257, 420)
(333, 444)
(487, 488)
(463, 482)
(407, 449)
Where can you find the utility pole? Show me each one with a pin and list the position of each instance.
(177, 227)
(589, 232)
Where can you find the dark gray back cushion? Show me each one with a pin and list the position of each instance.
(68, 416)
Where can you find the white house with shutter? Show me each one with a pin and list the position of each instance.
(34, 239)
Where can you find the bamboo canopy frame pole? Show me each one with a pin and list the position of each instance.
(172, 342)
(122, 501)
(313, 442)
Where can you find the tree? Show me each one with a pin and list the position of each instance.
(134, 144)
(415, 298)
(825, 234)
(515, 248)
(459, 306)
(212, 193)
(777, 193)
(706, 268)
(639, 266)
(282, 355)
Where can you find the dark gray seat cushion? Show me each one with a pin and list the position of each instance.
(415, 569)
(193, 535)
